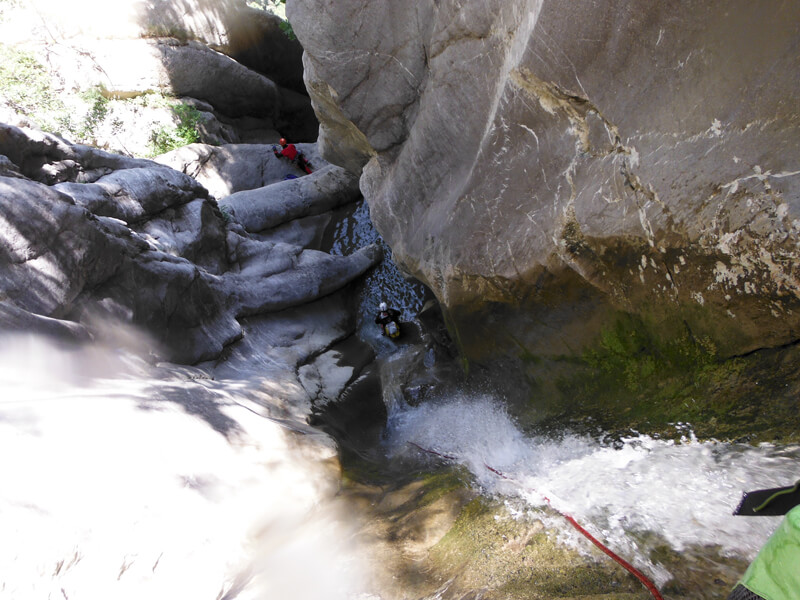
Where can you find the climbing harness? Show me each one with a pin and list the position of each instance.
(571, 520)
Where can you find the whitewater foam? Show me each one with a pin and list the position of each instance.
(684, 492)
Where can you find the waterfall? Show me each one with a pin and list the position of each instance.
(683, 492)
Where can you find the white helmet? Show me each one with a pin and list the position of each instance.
(382, 306)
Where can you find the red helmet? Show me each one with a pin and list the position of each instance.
(283, 141)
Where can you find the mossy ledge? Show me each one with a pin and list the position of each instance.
(658, 377)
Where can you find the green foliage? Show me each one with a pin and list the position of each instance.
(286, 28)
(264, 4)
(227, 215)
(270, 5)
(97, 111)
(26, 87)
(183, 133)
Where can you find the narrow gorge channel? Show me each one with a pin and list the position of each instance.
(586, 213)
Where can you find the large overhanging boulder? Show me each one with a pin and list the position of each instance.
(222, 52)
(127, 68)
(546, 165)
(251, 36)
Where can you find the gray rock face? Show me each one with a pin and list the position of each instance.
(225, 170)
(146, 245)
(134, 194)
(252, 37)
(50, 248)
(543, 165)
(274, 205)
(133, 67)
(49, 159)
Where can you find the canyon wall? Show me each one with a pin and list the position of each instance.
(546, 166)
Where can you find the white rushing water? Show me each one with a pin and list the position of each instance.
(384, 283)
(684, 492)
(117, 481)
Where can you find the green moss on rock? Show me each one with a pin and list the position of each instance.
(650, 375)
(490, 552)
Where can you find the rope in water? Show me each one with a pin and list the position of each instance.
(618, 559)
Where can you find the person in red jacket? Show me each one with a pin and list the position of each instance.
(290, 151)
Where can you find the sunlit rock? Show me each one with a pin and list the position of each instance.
(230, 55)
(50, 159)
(276, 204)
(146, 245)
(132, 195)
(225, 170)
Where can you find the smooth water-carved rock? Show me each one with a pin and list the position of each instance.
(146, 245)
(51, 248)
(49, 159)
(225, 170)
(306, 276)
(276, 204)
(132, 195)
(544, 165)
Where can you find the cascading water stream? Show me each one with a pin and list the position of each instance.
(384, 283)
(645, 492)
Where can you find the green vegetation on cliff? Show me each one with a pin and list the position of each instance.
(183, 133)
(652, 377)
(28, 90)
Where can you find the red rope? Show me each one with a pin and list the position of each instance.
(618, 559)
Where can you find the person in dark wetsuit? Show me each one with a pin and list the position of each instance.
(290, 152)
(385, 316)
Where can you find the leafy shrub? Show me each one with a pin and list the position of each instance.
(97, 110)
(183, 133)
(25, 86)
(286, 28)
(270, 5)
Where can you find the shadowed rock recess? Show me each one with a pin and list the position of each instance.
(551, 169)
